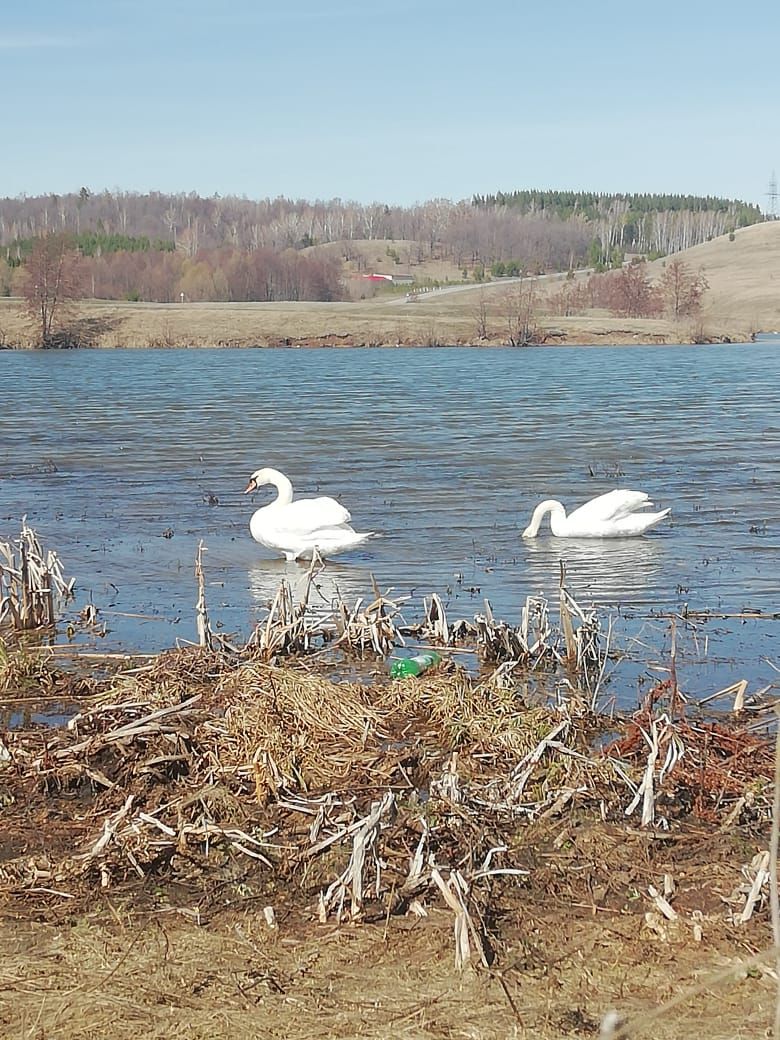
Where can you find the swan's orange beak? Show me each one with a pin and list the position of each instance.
(251, 486)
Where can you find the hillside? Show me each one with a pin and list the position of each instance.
(743, 298)
(743, 274)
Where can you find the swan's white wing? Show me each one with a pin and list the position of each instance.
(638, 523)
(310, 514)
(610, 507)
(331, 540)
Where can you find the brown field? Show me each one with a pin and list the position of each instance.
(448, 320)
(744, 276)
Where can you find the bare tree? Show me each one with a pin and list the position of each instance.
(481, 318)
(51, 283)
(571, 298)
(681, 289)
(520, 310)
(628, 293)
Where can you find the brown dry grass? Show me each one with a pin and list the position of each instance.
(447, 320)
(744, 277)
(107, 976)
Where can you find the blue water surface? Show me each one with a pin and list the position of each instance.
(443, 451)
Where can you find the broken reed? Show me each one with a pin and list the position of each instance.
(32, 583)
(374, 627)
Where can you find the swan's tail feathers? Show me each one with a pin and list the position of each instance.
(337, 540)
(364, 536)
(649, 520)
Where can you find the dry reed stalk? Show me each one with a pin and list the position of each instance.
(737, 690)
(351, 881)
(32, 583)
(497, 641)
(662, 904)
(372, 630)
(566, 623)
(760, 870)
(535, 629)
(521, 774)
(201, 613)
(675, 698)
(584, 654)
(434, 628)
(455, 891)
(661, 735)
(292, 628)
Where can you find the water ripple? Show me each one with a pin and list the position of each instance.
(444, 452)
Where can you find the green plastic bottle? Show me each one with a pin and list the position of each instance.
(414, 665)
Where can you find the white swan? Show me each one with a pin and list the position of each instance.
(618, 514)
(297, 528)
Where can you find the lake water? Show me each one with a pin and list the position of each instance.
(443, 451)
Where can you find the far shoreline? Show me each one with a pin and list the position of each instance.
(444, 322)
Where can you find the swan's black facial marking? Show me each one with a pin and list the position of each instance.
(251, 486)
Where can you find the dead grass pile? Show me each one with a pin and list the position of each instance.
(203, 770)
(295, 731)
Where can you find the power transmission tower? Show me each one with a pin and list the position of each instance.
(772, 195)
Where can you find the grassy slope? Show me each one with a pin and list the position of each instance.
(744, 276)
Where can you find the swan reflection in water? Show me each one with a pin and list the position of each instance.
(329, 582)
(607, 572)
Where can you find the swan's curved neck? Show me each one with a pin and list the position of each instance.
(557, 515)
(283, 486)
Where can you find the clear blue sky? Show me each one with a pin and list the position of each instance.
(399, 101)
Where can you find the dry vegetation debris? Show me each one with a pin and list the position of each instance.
(204, 772)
